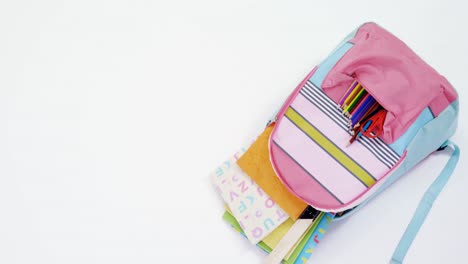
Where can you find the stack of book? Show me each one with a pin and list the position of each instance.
(262, 210)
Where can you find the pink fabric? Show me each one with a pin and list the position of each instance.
(303, 185)
(397, 78)
(446, 97)
(322, 166)
(338, 136)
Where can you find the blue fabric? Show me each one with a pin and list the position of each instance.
(328, 63)
(427, 140)
(424, 207)
(350, 36)
(432, 135)
(424, 136)
(332, 59)
(400, 144)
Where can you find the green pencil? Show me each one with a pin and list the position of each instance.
(355, 101)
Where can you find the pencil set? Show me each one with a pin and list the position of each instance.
(365, 115)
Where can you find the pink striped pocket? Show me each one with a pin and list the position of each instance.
(310, 153)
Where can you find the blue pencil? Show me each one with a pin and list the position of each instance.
(362, 110)
(364, 128)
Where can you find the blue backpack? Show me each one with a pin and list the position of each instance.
(420, 111)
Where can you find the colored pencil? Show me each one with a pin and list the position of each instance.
(369, 115)
(360, 112)
(355, 101)
(351, 96)
(359, 104)
(350, 88)
(359, 134)
(374, 109)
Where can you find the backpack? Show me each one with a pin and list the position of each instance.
(309, 148)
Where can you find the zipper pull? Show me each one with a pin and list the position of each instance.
(271, 121)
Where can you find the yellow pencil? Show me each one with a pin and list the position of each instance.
(351, 96)
(354, 101)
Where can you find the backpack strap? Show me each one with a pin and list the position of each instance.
(425, 205)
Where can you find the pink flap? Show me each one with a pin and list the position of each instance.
(397, 78)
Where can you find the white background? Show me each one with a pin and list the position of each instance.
(112, 114)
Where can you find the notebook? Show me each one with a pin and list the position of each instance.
(257, 214)
(293, 255)
(314, 239)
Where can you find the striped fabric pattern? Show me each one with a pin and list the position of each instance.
(379, 148)
(310, 152)
(328, 146)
